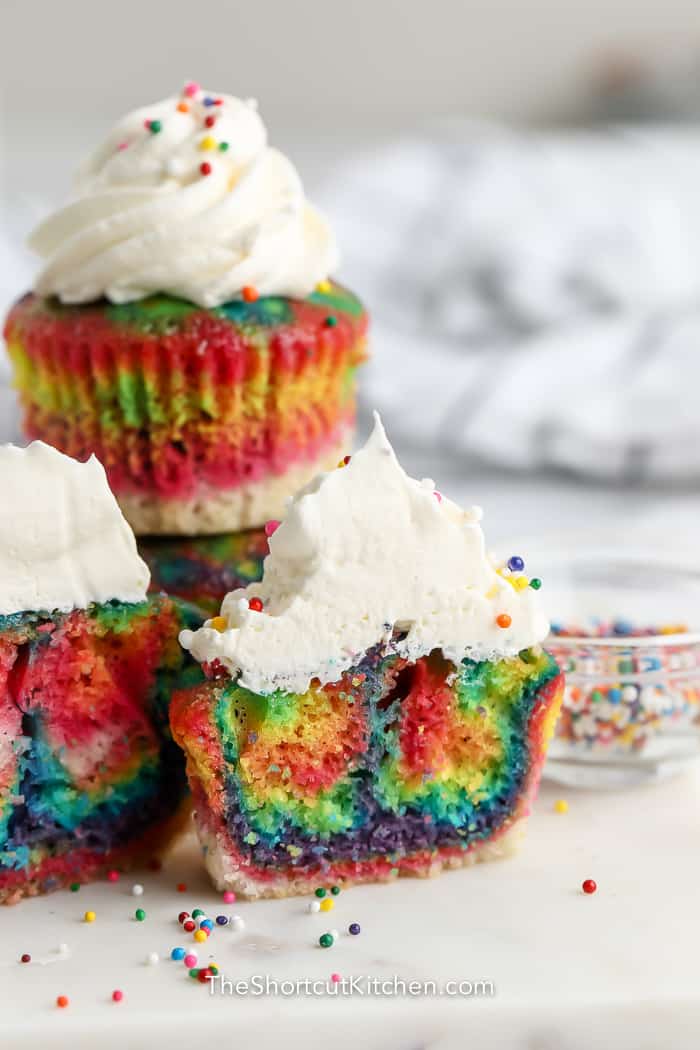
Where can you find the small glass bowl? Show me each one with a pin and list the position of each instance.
(625, 631)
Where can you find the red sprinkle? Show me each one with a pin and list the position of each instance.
(62, 1001)
(204, 974)
(113, 876)
(271, 527)
(26, 958)
(250, 294)
(589, 886)
(504, 620)
(255, 604)
(182, 916)
(209, 122)
(189, 925)
(117, 995)
(346, 460)
(205, 168)
(182, 887)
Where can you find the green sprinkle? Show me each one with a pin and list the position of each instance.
(223, 146)
(140, 914)
(325, 940)
(74, 887)
(535, 583)
(154, 126)
(330, 321)
(214, 968)
(197, 912)
(320, 892)
(335, 890)
(194, 973)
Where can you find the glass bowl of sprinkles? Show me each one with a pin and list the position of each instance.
(625, 629)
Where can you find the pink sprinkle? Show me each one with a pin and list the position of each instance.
(438, 496)
(190, 960)
(147, 124)
(122, 146)
(335, 978)
(117, 995)
(229, 897)
(113, 876)
(271, 527)
(191, 88)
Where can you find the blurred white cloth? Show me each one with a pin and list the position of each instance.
(535, 298)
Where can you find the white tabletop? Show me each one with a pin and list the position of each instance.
(614, 970)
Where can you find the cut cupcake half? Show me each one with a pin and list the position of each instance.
(378, 704)
(90, 778)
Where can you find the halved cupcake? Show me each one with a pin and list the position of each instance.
(90, 778)
(184, 328)
(379, 704)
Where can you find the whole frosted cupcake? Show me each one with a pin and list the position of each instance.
(379, 704)
(184, 327)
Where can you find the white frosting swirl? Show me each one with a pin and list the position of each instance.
(148, 220)
(63, 540)
(364, 550)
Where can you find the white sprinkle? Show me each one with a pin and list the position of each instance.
(153, 958)
(63, 949)
(137, 890)
(314, 906)
(237, 923)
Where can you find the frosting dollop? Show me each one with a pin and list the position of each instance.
(63, 540)
(368, 555)
(185, 197)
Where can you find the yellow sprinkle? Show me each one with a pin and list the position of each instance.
(208, 142)
(520, 582)
(200, 936)
(341, 463)
(561, 805)
(327, 904)
(323, 286)
(219, 623)
(90, 916)
(492, 592)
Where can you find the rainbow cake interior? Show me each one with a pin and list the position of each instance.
(398, 768)
(189, 408)
(89, 775)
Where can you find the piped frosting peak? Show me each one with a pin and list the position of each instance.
(367, 555)
(185, 197)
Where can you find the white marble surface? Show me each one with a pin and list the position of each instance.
(613, 971)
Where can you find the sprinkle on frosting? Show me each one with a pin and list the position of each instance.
(63, 540)
(365, 556)
(145, 220)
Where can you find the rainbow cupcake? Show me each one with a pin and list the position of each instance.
(378, 705)
(90, 778)
(184, 328)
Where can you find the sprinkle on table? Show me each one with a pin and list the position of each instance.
(152, 959)
(113, 876)
(354, 928)
(238, 923)
(74, 887)
(197, 913)
(327, 904)
(326, 940)
(222, 920)
(561, 806)
(89, 916)
(200, 936)
(589, 886)
(137, 890)
(139, 914)
(117, 995)
(314, 906)
(177, 954)
(504, 620)
(335, 890)
(62, 1001)
(320, 891)
(26, 958)
(182, 887)
(516, 563)
(535, 583)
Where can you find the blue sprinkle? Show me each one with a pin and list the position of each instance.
(614, 696)
(208, 101)
(516, 563)
(177, 954)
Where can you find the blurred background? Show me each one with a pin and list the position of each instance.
(516, 191)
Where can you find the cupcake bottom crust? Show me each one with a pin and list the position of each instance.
(213, 510)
